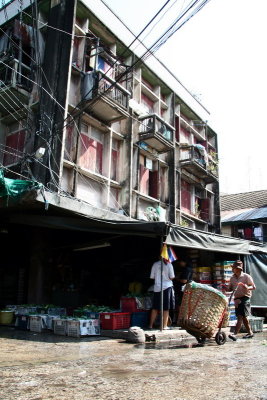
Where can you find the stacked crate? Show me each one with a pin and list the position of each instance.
(231, 311)
(204, 275)
(222, 272)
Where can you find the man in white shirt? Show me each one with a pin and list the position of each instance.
(168, 293)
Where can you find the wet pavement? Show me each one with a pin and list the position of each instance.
(44, 366)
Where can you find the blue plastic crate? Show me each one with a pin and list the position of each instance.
(140, 319)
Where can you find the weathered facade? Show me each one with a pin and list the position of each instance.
(85, 116)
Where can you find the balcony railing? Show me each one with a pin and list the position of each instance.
(198, 164)
(112, 98)
(15, 83)
(156, 132)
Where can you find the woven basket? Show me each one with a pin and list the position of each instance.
(225, 319)
(202, 309)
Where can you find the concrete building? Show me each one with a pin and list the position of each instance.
(111, 137)
(118, 133)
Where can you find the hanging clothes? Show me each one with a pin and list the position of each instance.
(257, 232)
(248, 233)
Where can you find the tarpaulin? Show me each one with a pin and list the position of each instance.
(15, 187)
(256, 266)
(186, 237)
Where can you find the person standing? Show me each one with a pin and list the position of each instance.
(242, 285)
(183, 274)
(168, 294)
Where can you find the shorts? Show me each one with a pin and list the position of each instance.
(243, 308)
(168, 300)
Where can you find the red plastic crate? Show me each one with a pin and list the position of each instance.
(115, 320)
(128, 304)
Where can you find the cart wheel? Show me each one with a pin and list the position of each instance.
(220, 338)
(201, 339)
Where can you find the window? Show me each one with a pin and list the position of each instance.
(163, 189)
(15, 142)
(77, 56)
(114, 199)
(185, 135)
(149, 178)
(91, 148)
(115, 158)
(106, 67)
(69, 153)
(147, 103)
(185, 196)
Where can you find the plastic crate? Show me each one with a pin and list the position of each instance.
(128, 304)
(60, 327)
(37, 323)
(86, 313)
(81, 327)
(21, 310)
(56, 311)
(22, 322)
(50, 321)
(140, 319)
(256, 324)
(115, 320)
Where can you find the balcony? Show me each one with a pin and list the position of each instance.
(198, 164)
(156, 132)
(106, 99)
(14, 86)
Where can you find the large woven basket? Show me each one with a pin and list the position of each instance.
(202, 309)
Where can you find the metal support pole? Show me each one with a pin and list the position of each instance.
(161, 289)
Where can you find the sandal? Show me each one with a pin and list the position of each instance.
(233, 337)
(248, 336)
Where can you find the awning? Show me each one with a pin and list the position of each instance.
(73, 222)
(73, 215)
(190, 238)
(256, 266)
(256, 214)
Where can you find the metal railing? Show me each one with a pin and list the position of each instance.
(15, 74)
(153, 123)
(110, 88)
(192, 154)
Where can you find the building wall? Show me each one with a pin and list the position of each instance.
(121, 141)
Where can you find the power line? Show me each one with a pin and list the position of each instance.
(154, 47)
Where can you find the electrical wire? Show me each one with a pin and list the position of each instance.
(125, 50)
(50, 152)
(145, 56)
(156, 23)
(52, 27)
(50, 95)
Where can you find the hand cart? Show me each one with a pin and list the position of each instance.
(203, 311)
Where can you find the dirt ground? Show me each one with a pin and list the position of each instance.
(44, 367)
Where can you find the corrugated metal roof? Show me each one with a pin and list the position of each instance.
(244, 200)
(252, 215)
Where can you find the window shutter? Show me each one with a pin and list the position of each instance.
(153, 184)
(205, 209)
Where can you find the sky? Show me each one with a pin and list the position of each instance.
(220, 56)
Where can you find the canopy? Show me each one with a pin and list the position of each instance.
(186, 237)
(256, 214)
(256, 266)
